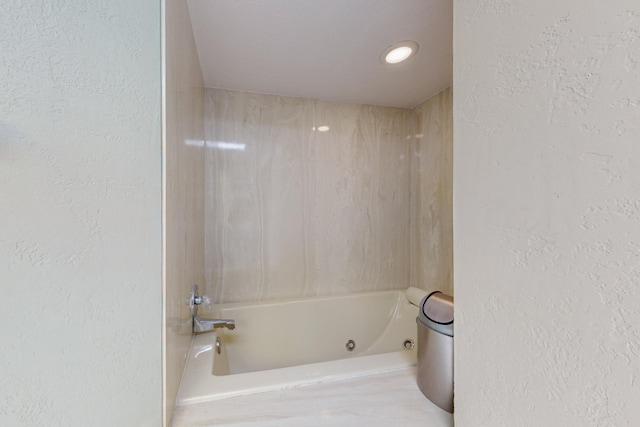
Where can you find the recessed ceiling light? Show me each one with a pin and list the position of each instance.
(399, 52)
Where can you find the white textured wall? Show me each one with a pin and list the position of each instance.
(80, 230)
(184, 163)
(547, 213)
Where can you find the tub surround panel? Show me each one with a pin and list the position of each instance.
(547, 200)
(80, 222)
(432, 195)
(231, 204)
(257, 196)
(362, 199)
(184, 192)
(295, 212)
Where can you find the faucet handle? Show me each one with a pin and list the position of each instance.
(203, 300)
(195, 300)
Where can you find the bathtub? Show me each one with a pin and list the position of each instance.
(290, 343)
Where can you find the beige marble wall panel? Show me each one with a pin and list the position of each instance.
(256, 197)
(432, 185)
(362, 196)
(184, 191)
(292, 211)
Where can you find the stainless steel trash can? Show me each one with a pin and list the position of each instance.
(435, 349)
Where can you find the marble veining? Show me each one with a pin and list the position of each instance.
(292, 211)
(432, 191)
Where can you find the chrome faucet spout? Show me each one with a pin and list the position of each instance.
(207, 325)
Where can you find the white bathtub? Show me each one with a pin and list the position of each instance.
(294, 342)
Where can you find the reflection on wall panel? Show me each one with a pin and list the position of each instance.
(184, 192)
(304, 197)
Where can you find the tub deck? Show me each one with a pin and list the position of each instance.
(385, 399)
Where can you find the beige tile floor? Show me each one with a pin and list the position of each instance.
(386, 399)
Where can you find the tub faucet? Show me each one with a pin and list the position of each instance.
(203, 325)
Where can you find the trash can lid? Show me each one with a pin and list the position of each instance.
(436, 312)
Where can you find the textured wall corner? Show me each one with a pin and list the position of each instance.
(547, 213)
(80, 239)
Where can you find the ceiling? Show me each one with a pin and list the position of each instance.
(325, 49)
